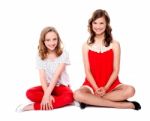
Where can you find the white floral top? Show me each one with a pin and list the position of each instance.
(50, 66)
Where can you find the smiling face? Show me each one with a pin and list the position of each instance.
(51, 41)
(99, 26)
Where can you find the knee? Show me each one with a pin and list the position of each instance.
(78, 95)
(130, 91)
(29, 94)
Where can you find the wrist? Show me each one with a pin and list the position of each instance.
(106, 88)
(95, 88)
(48, 92)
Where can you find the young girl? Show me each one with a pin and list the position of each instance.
(54, 91)
(101, 57)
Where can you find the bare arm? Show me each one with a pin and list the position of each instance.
(89, 76)
(43, 79)
(55, 78)
(116, 64)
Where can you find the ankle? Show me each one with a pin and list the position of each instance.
(28, 107)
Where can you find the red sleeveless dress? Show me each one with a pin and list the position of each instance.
(101, 66)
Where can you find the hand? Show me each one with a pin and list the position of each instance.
(100, 91)
(47, 102)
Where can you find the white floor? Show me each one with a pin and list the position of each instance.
(75, 113)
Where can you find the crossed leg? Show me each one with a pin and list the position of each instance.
(112, 99)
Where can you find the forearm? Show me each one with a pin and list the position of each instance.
(55, 78)
(51, 86)
(91, 80)
(43, 80)
(111, 79)
(44, 85)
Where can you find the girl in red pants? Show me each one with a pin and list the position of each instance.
(54, 91)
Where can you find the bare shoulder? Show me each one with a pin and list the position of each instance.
(85, 46)
(115, 45)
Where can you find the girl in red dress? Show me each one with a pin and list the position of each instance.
(101, 57)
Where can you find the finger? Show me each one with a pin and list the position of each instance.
(97, 93)
(103, 94)
(53, 100)
(42, 106)
(51, 106)
(46, 106)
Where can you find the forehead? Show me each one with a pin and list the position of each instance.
(51, 35)
(101, 19)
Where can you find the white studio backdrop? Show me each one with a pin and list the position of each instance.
(20, 26)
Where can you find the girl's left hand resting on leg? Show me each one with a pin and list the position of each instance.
(47, 102)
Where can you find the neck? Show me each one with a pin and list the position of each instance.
(99, 39)
(51, 51)
(51, 55)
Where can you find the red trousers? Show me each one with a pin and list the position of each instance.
(63, 96)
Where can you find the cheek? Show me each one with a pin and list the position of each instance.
(56, 42)
(104, 26)
(45, 43)
(94, 26)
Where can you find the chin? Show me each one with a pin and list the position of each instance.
(51, 49)
(99, 33)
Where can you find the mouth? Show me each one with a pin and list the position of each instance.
(98, 29)
(51, 46)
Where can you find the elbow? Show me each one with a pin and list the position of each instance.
(88, 75)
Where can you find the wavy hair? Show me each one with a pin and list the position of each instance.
(108, 35)
(42, 49)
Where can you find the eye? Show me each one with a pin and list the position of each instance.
(55, 39)
(94, 22)
(47, 39)
(101, 22)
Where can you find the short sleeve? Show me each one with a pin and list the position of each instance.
(39, 63)
(64, 58)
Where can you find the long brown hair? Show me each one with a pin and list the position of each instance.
(42, 49)
(108, 36)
